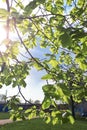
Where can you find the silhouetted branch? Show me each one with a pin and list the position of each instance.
(8, 9)
(27, 101)
(34, 59)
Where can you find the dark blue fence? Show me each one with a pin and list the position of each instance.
(3, 108)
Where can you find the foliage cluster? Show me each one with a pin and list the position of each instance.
(59, 26)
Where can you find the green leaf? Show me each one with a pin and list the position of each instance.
(71, 119)
(47, 119)
(28, 111)
(69, 2)
(55, 121)
(1, 85)
(14, 48)
(65, 39)
(32, 114)
(83, 66)
(8, 82)
(55, 114)
(60, 92)
(14, 84)
(46, 104)
(20, 108)
(3, 13)
(62, 95)
(23, 83)
(79, 59)
(30, 7)
(42, 113)
(53, 62)
(40, 1)
(37, 66)
(47, 76)
(48, 88)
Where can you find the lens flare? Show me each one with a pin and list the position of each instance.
(2, 37)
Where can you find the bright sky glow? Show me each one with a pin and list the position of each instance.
(2, 37)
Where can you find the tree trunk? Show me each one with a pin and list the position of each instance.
(72, 106)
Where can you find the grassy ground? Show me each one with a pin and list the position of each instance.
(4, 115)
(38, 124)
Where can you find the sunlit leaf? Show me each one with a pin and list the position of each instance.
(48, 88)
(37, 66)
(71, 119)
(28, 111)
(20, 108)
(46, 104)
(42, 113)
(47, 119)
(54, 63)
(46, 77)
(55, 121)
(3, 13)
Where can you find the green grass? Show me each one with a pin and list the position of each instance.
(4, 115)
(38, 124)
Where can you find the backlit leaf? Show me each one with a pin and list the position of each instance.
(46, 104)
(53, 62)
(71, 119)
(55, 121)
(3, 13)
(47, 76)
(65, 39)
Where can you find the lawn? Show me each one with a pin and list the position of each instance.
(4, 115)
(38, 124)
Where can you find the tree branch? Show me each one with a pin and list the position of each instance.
(8, 6)
(42, 15)
(8, 9)
(23, 96)
(34, 59)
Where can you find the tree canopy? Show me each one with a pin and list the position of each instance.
(59, 26)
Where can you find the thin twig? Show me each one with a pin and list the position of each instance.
(8, 9)
(11, 2)
(42, 15)
(24, 56)
(66, 50)
(23, 96)
(29, 51)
